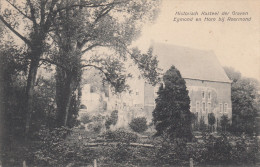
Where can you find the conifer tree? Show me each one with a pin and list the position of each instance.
(172, 116)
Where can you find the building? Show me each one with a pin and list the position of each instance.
(208, 85)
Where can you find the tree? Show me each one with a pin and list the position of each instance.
(139, 124)
(211, 120)
(43, 19)
(37, 17)
(244, 96)
(83, 30)
(224, 122)
(172, 116)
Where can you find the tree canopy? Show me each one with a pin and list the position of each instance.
(70, 35)
(245, 99)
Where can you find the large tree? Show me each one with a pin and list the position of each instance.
(110, 27)
(244, 96)
(172, 116)
(35, 21)
(31, 21)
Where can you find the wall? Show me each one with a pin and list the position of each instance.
(217, 95)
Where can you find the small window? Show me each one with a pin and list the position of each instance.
(203, 106)
(209, 106)
(209, 94)
(93, 89)
(197, 106)
(203, 94)
(225, 107)
(220, 107)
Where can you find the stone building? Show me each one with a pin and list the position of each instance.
(208, 85)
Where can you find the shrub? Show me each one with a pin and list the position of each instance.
(139, 124)
(173, 154)
(202, 125)
(85, 119)
(120, 136)
(243, 153)
(224, 123)
(52, 149)
(97, 128)
(112, 120)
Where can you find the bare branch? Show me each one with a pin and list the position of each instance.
(32, 12)
(15, 32)
(103, 12)
(43, 3)
(54, 63)
(89, 5)
(98, 68)
(13, 5)
(50, 16)
(89, 48)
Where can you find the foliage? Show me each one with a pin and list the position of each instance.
(211, 120)
(97, 123)
(224, 123)
(120, 136)
(202, 124)
(112, 120)
(85, 119)
(245, 102)
(60, 32)
(139, 124)
(120, 153)
(213, 150)
(52, 149)
(173, 154)
(12, 90)
(172, 115)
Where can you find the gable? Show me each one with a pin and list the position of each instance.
(192, 63)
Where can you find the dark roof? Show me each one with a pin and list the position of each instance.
(192, 63)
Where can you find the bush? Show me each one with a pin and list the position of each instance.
(173, 154)
(52, 149)
(112, 120)
(139, 124)
(85, 119)
(120, 136)
(97, 128)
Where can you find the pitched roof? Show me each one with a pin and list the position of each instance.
(192, 63)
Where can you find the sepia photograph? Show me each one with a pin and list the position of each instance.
(129, 83)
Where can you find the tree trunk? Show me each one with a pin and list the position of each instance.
(63, 95)
(68, 105)
(30, 90)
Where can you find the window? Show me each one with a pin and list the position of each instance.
(209, 94)
(203, 94)
(93, 89)
(197, 106)
(209, 106)
(220, 107)
(225, 107)
(203, 106)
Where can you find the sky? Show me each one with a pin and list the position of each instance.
(236, 44)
